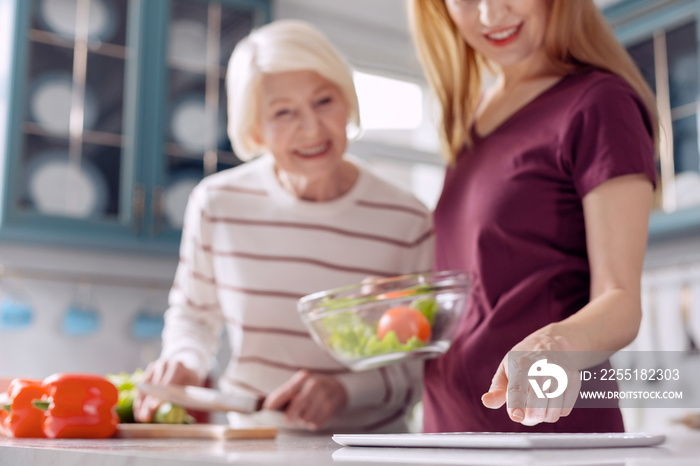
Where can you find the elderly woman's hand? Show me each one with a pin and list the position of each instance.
(162, 372)
(309, 400)
(531, 403)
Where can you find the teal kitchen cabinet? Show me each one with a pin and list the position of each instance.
(663, 38)
(113, 110)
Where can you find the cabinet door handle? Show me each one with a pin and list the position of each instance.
(138, 207)
(157, 225)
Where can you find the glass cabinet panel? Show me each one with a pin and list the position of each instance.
(201, 39)
(682, 47)
(669, 62)
(73, 135)
(685, 145)
(643, 55)
(115, 110)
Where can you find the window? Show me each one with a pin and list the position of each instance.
(668, 61)
(396, 112)
(387, 103)
(399, 139)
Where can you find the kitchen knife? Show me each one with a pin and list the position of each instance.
(203, 399)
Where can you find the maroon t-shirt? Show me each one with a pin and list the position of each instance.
(510, 214)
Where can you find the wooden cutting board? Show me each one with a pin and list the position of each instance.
(205, 431)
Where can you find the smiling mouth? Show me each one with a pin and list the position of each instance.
(314, 151)
(504, 36)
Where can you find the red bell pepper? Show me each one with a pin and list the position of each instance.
(21, 418)
(80, 406)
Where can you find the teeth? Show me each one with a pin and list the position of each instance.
(503, 34)
(314, 150)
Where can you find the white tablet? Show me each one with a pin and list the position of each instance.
(500, 440)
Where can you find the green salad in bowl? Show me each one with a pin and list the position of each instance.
(386, 321)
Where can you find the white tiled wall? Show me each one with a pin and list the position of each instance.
(42, 348)
(670, 322)
(671, 309)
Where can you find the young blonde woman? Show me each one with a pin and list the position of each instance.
(300, 218)
(545, 202)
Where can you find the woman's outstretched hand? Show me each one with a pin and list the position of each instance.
(520, 382)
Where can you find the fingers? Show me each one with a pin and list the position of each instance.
(161, 372)
(313, 399)
(319, 400)
(173, 373)
(554, 409)
(540, 410)
(284, 393)
(496, 396)
(518, 392)
(510, 385)
(182, 375)
(302, 411)
(494, 399)
(145, 407)
(571, 394)
(562, 405)
(531, 404)
(541, 379)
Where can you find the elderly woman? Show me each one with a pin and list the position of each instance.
(300, 218)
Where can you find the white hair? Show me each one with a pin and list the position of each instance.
(281, 46)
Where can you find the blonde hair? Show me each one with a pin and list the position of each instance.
(577, 37)
(281, 46)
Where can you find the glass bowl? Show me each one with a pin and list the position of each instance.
(387, 321)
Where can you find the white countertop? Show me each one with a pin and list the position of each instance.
(681, 448)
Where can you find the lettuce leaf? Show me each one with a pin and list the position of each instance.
(352, 338)
(426, 306)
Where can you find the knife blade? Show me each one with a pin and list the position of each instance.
(203, 399)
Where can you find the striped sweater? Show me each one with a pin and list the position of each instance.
(250, 250)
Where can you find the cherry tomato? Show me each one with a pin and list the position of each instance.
(406, 322)
(396, 294)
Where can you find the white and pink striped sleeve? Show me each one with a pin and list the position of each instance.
(194, 321)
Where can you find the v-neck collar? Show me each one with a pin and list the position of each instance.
(478, 137)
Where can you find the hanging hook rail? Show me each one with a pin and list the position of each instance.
(75, 277)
